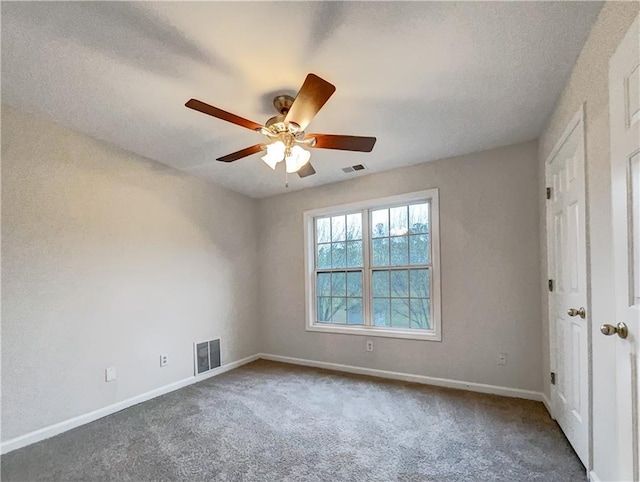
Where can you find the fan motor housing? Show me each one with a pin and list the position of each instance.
(282, 103)
(276, 124)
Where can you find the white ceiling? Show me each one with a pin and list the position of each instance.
(429, 80)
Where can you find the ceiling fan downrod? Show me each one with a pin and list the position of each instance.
(283, 103)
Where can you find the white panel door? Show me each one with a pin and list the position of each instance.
(569, 326)
(624, 99)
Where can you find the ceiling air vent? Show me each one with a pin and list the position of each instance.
(357, 167)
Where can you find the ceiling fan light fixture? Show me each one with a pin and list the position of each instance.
(287, 129)
(275, 154)
(297, 159)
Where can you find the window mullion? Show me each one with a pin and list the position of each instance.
(366, 271)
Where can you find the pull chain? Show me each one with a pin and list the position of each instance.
(287, 153)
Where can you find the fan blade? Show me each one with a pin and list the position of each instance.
(314, 93)
(306, 170)
(243, 153)
(343, 143)
(222, 114)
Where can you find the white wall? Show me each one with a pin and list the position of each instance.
(111, 259)
(490, 257)
(588, 85)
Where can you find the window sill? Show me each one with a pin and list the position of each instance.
(375, 331)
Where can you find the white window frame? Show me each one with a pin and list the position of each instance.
(430, 195)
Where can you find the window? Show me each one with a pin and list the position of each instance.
(372, 268)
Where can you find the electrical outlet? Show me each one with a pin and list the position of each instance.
(164, 360)
(369, 345)
(502, 358)
(109, 374)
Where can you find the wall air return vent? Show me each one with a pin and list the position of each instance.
(206, 356)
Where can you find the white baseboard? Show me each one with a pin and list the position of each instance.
(593, 477)
(547, 404)
(440, 382)
(58, 428)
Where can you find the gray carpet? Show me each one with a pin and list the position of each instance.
(274, 422)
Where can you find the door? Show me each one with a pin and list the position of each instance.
(568, 319)
(624, 100)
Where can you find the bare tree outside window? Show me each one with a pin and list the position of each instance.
(399, 268)
(400, 238)
(339, 247)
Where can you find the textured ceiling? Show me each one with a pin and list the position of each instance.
(429, 80)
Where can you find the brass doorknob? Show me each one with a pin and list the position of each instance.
(577, 312)
(621, 330)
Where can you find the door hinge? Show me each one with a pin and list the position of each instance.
(548, 193)
(550, 285)
(553, 378)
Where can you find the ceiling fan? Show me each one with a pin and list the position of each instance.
(286, 131)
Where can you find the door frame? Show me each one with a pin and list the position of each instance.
(624, 262)
(576, 122)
